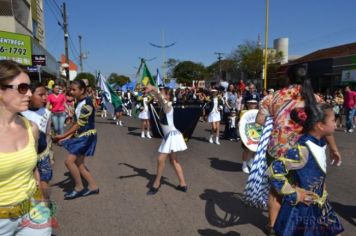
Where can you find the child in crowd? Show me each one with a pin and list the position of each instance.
(300, 177)
(41, 116)
(231, 127)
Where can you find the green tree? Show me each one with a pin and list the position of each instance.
(227, 66)
(90, 77)
(249, 58)
(119, 80)
(171, 64)
(187, 71)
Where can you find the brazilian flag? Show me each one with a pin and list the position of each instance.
(147, 77)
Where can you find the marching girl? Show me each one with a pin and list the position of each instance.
(144, 114)
(38, 114)
(80, 141)
(215, 105)
(128, 103)
(119, 110)
(172, 142)
(305, 208)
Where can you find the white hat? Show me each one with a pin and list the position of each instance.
(252, 101)
(271, 90)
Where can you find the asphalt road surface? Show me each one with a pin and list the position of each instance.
(124, 166)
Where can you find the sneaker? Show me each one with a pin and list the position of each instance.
(142, 135)
(211, 139)
(148, 135)
(245, 168)
(350, 130)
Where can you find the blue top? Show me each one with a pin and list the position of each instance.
(85, 115)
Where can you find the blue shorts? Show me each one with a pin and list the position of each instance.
(45, 169)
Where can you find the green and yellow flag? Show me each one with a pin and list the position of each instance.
(147, 77)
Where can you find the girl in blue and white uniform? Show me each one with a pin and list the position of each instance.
(172, 142)
(299, 178)
(80, 141)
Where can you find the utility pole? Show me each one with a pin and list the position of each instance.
(66, 35)
(80, 53)
(219, 54)
(266, 50)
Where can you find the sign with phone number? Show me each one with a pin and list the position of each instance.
(16, 47)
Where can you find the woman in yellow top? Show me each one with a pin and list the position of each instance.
(18, 156)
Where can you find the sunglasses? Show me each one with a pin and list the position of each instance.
(21, 88)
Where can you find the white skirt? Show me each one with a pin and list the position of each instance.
(172, 142)
(214, 117)
(144, 115)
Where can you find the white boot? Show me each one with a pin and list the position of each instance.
(217, 140)
(129, 112)
(117, 123)
(120, 123)
(211, 139)
(105, 113)
(245, 167)
(148, 134)
(142, 134)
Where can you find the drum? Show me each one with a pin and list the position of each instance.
(250, 131)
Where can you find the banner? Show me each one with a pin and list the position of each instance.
(348, 76)
(16, 47)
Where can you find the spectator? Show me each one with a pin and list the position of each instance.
(349, 105)
(56, 103)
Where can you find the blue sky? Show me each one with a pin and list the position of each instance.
(117, 32)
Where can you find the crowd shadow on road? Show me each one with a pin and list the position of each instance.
(226, 209)
(345, 211)
(224, 165)
(212, 232)
(144, 173)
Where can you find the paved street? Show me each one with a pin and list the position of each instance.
(124, 167)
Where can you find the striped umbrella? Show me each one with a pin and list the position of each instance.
(257, 187)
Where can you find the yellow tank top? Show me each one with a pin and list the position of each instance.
(17, 181)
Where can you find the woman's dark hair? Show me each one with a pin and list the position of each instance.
(9, 70)
(298, 75)
(34, 85)
(80, 83)
(310, 115)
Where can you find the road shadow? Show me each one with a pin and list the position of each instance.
(345, 211)
(224, 165)
(211, 232)
(144, 173)
(226, 209)
(201, 139)
(106, 123)
(130, 129)
(67, 185)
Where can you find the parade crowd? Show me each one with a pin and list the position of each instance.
(34, 117)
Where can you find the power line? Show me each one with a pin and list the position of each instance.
(58, 7)
(53, 13)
